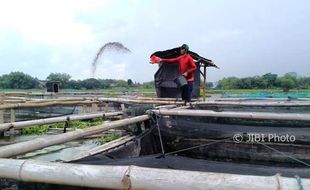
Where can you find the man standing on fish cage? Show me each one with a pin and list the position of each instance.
(187, 68)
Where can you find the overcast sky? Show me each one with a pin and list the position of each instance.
(244, 38)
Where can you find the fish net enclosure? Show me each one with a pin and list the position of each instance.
(204, 144)
(197, 143)
(264, 142)
(24, 114)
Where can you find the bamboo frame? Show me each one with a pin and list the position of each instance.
(137, 178)
(263, 99)
(103, 148)
(39, 143)
(43, 104)
(94, 108)
(253, 104)
(35, 104)
(1, 116)
(128, 101)
(243, 115)
(24, 124)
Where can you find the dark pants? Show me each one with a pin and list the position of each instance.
(187, 91)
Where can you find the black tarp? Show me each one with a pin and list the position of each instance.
(167, 73)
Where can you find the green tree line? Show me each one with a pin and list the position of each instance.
(266, 81)
(20, 80)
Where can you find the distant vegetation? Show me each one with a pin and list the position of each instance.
(19, 80)
(42, 129)
(266, 81)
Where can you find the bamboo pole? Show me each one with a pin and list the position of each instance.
(84, 108)
(94, 107)
(1, 116)
(38, 143)
(151, 98)
(128, 101)
(123, 108)
(13, 115)
(16, 98)
(54, 103)
(44, 104)
(166, 107)
(243, 115)
(106, 107)
(253, 104)
(263, 99)
(137, 178)
(102, 148)
(1, 98)
(181, 107)
(13, 101)
(58, 99)
(204, 82)
(23, 124)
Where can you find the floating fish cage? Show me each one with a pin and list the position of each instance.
(268, 140)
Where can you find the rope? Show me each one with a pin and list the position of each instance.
(299, 183)
(198, 146)
(159, 134)
(291, 157)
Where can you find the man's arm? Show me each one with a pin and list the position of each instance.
(172, 60)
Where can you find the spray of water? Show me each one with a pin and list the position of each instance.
(116, 46)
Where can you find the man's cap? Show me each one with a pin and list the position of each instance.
(185, 46)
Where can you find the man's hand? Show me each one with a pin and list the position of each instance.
(185, 74)
(155, 59)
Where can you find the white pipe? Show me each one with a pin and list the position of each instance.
(23, 124)
(38, 143)
(243, 115)
(138, 178)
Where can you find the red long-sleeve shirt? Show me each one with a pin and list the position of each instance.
(186, 64)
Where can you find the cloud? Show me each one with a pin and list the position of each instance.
(48, 22)
(244, 38)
